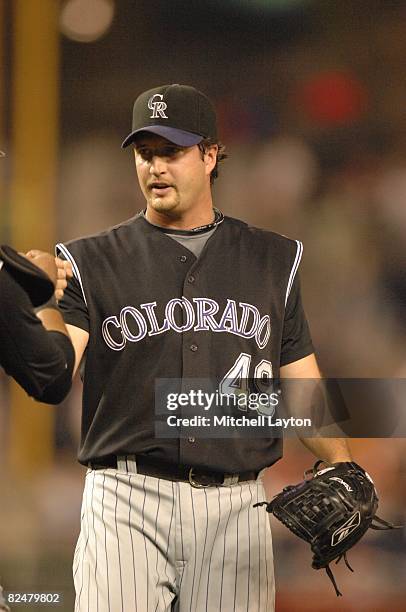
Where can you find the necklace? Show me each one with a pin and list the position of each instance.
(218, 218)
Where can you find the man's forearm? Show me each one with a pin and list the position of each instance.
(51, 319)
(299, 402)
(331, 450)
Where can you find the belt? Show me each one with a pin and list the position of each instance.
(198, 477)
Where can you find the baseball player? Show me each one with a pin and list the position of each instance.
(178, 292)
(38, 354)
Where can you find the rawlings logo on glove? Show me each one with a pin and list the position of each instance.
(331, 510)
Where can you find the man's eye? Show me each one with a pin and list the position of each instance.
(166, 152)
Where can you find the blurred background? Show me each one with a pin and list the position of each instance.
(311, 98)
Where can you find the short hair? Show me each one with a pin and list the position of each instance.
(221, 155)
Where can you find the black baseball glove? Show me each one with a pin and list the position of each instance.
(331, 509)
(30, 277)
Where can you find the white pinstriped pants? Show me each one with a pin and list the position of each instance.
(153, 545)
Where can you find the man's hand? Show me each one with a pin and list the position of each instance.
(64, 271)
(57, 269)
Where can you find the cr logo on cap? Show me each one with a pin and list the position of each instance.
(158, 108)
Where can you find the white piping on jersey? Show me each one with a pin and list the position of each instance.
(75, 268)
(299, 252)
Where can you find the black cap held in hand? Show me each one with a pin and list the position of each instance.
(30, 277)
(179, 113)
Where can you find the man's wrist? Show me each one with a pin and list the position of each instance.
(329, 450)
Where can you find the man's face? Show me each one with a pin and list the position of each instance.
(173, 179)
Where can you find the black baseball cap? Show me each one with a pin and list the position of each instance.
(179, 113)
(30, 277)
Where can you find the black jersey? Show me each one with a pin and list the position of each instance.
(153, 310)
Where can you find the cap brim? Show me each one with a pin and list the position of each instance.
(179, 137)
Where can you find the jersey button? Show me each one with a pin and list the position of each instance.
(191, 279)
(183, 258)
(191, 439)
(193, 347)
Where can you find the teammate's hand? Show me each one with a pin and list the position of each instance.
(57, 269)
(64, 269)
(44, 261)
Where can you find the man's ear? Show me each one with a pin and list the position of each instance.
(210, 157)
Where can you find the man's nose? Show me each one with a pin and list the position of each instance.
(157, 165)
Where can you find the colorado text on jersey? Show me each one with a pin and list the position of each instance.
(198, 313)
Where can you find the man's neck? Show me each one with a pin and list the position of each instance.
(188, 221)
